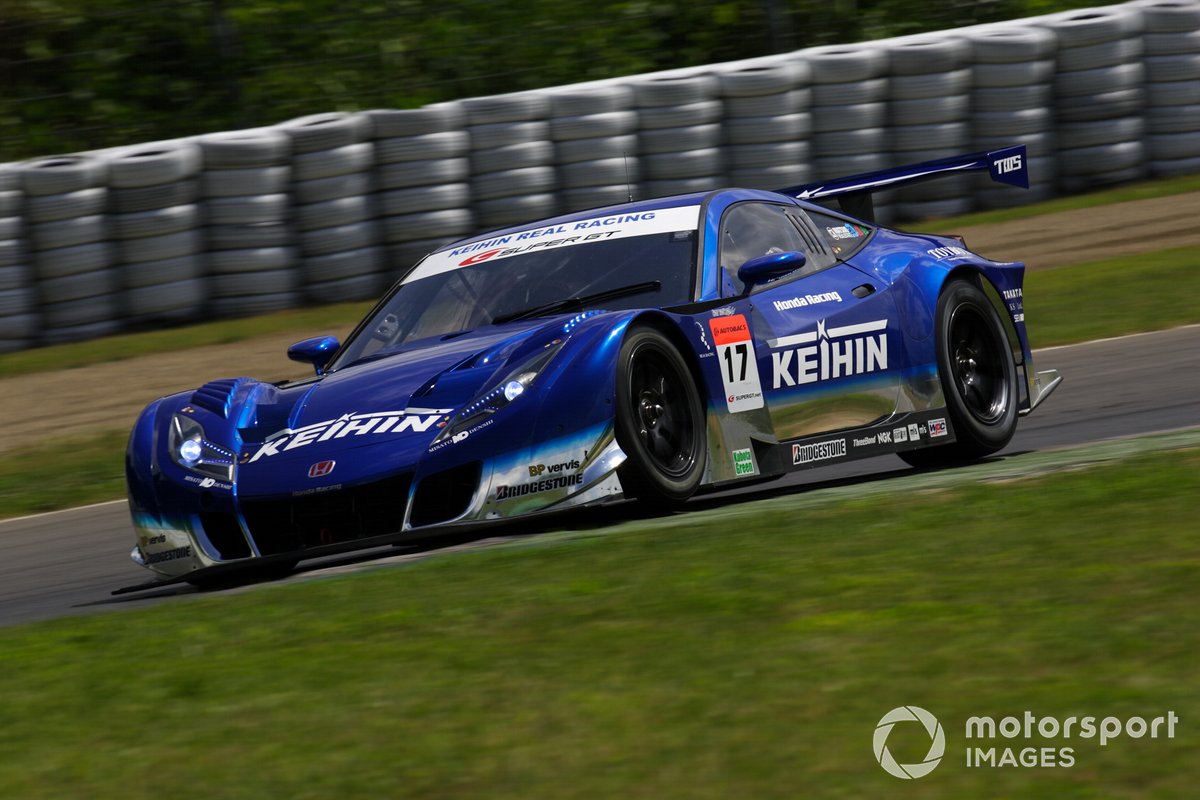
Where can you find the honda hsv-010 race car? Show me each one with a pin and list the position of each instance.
(649, 350)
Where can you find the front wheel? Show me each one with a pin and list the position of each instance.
(660, 422)
(979, 378)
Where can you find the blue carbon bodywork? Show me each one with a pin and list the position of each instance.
(840, 363)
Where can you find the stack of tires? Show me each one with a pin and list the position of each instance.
(928, 109)
(1011, 90)
(512, 158)
(156, 227)
(18, 300)
(1172, 58)
(679, 134)
(1098, 97)
(332, 161)
(74, 264)
(247, 206)
(767, 124)
(595, 145)
(849, 112)
(421, 174)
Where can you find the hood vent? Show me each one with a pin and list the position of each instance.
(217, 396)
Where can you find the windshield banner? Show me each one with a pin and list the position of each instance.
(566, 234)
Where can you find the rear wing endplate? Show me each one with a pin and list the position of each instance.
(1006, 165)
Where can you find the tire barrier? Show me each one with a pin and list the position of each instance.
(595, 146)
(333, 157)
(1171, 55)
(767, 123)
(74, 263)
(512, 159)
(849, 113)
(18, 301)
(1098, 97)
(330, 207)
(157, 233)
(1013, 64)
(929, 94)
(679, 134)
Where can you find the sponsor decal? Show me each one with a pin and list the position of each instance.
(885, 437)
(460, 436)
(743, 462)
(866, 441)
(173, 554)
(321, 469)
(739, 367)
(208, 483)
(1013, 294)
(900, 435)
(567, 234)
(829, 353)
(937, 427)
(818, 451)
(723, 311)
(536, 487)
(1008, 164)
(949, 253)
(807, 300)
(317, 490)
(379, 423)
(914, 432)
(846, 231)
(703, 336)
(536, 470)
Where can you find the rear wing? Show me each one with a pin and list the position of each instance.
(1006, 165)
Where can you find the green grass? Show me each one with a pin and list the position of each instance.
(63, 473)
(747, 653)
(1134, 191)
(336, 319)
(1149, 292)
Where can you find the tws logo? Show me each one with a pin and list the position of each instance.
(937, 742)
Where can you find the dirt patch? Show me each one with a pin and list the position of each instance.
(36, 408)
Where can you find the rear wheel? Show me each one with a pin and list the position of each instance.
(979, 378)
(660, 421)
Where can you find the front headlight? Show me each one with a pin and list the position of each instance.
(191, 449)
(500, 394)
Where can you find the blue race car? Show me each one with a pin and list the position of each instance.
(650, 350)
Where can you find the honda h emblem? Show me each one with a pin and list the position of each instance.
(321, 469)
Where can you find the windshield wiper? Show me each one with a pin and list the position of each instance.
(568, 303)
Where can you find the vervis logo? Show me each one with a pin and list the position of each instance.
(937, 741)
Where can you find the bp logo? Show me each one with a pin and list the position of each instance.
(937, 742)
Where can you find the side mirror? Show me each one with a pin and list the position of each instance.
(316, 351)
(773, 265)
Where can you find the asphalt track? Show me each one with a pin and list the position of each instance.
(68, 562)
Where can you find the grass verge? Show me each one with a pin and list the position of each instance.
(747, 654)
(1150, 292)
(63, 474)
(336, 319)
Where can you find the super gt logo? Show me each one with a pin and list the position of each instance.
(378, 423)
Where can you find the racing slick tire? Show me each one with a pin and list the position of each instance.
(660, 421)
(979, 378)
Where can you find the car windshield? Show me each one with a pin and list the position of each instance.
(614, 262)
